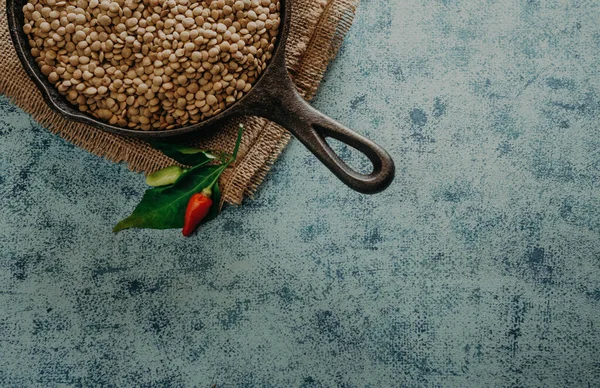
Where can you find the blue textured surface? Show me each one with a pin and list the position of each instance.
(480, 266)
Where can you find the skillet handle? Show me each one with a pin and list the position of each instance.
(280, 102)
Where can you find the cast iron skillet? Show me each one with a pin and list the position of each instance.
(274, 96)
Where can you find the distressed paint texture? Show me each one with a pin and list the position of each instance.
(480, 266)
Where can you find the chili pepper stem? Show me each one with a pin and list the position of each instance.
(208, 190)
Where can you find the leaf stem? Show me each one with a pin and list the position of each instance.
(223, 167)
(231, 158)
(238, 141)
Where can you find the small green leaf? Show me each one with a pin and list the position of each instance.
(185, 155)
(164, 207)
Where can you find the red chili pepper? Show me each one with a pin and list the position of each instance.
(197, 208)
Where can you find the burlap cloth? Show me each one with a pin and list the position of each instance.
(317, 30)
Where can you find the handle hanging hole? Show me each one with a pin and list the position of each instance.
(355, 159)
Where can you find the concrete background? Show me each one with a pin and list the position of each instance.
(480, 266)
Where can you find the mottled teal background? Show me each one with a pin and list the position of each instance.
(480, 266)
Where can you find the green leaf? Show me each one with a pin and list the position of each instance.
(164, 207)
(185, 155)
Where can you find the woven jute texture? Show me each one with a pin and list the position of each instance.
(317, 30)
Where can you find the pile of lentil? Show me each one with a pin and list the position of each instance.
(152, 64)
